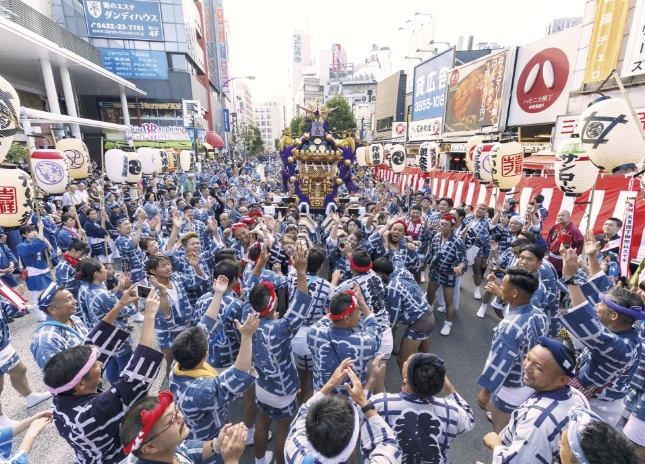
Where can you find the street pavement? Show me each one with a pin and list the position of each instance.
(464, 352)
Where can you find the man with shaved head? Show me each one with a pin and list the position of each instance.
(563, 234)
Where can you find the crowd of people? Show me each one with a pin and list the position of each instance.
(245, 295)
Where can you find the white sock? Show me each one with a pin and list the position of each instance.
(484, 305)
(260, 461)
(477, 288)
(447, 323)
(5, 421)
(250, 432)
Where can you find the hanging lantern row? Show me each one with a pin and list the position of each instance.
(427, 158)
(575, 174)
(9, 116)
(481, 162)
(506, 164)
(187, 160)
(397, 158)
(17, 196)
(470, 149)
(134, 167)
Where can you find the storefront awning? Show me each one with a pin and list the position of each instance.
(22, 49)
(215, 140)
(540, 161)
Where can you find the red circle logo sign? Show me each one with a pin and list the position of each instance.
(436, 126)
(542, 80)
(400, 129)
(454, 79)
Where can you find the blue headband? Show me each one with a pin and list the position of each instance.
(559, 354)
(425, 197)
(636, 312)
(579, 419)
(47, 297)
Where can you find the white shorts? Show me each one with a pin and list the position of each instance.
(515, 396)
(299, 342)
(635, 430)
(387, 344)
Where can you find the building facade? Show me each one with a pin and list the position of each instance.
(270, 119)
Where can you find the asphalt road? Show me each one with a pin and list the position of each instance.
(464, 352)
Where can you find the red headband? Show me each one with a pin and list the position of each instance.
(248, 221)
(448, 217)
(359, 268)
(256, 245)
(402, 222)
(348, 311)
(255, 214)
(149, 419)
(238, 225)
(269, 287)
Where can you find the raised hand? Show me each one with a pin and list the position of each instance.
(250, 325)
(220, 284)
(124, 282)
(494, 246)
(570, 262)
(193, 259)
(212, 224)
(359, 294)
(592, 247)
(152, 304)
(355, 389)
(156, 284)
(340, 373)
(300, 258)
(129, 296)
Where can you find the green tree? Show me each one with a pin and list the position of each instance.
(256, 145)
(341, 119)
(296, 126)
(16, 153)
(276, 143)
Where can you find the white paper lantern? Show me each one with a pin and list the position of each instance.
(78, 156)
(481, 162)
(16, 195)
(397, 158)
(161, 161)
(148, 156)
(51, 171)
(387, 148)
(116, 165)
(360, 156)
(376, 152)
(134, 167)
(427, 157)
(173, 160)
(187, 160)
(575, 174)
(506, 164)
(9, 114)
(470, 149)
(611, 137)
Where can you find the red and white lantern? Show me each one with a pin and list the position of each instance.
(428, 157)
(575, 174)
(481, 162)
(507, 162)
(16, 196)
(51, 171)
(470, 149)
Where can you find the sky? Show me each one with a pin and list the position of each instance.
(261, 30)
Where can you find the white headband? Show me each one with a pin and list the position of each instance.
(345, 454)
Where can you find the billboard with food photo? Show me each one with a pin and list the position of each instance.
(478, 94)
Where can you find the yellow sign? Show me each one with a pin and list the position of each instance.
(606, 38)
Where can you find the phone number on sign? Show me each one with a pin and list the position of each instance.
(427, 103)
(121, 27)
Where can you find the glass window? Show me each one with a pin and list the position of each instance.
(168, 13)
(157, 46)
(177, 62)
(269, 116)
(169, 32)
(171, 47)
(179, 13)
(117, 44)
(141, 45)
(181, 33)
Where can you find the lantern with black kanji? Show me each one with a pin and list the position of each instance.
(187, 160)
(161, 161)
(173, 160)
(134, 167)
(427, 157)
(397, 158)
(360, 156)
(9, 113)
(51, 170)
(148, 160)
(610, 136)
(16, 196)
(116, 165)
(78, 156)
(481, 162)
(470, 149)
(376, 152)
(506, 162)
(575, 174)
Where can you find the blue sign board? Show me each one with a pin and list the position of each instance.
(222, 50)
(430, 84)
(135, 64)
(127, 19)
(227, 121)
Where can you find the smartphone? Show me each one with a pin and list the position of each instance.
(125, 266)
(566, 241)
(143, 291)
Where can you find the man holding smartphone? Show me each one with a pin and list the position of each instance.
(565, 234)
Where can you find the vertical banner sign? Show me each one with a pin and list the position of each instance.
(634, 62)
(626, 240)
(227, 121)
(297, 48)
(606, 38)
